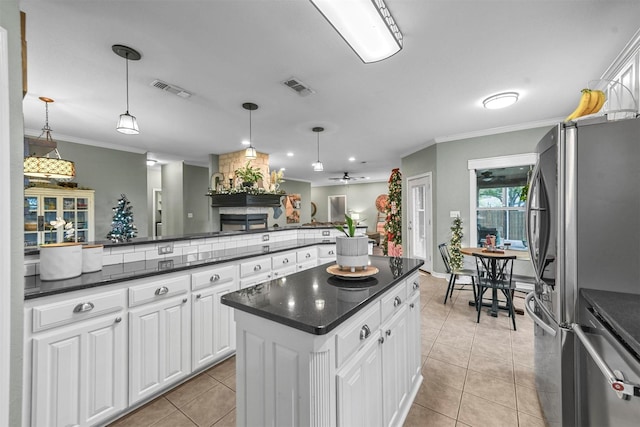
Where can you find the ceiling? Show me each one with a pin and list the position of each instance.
(227, 52)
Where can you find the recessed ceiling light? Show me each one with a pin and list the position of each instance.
(352, 159)
(289, 154)
(151, 162)
(282, 169)
(245, 142)
(500, 100)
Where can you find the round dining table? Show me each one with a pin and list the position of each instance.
(499, 253)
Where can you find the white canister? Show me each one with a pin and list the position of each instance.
(60, 261)
(91, 258)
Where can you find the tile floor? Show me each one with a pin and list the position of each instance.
(474, 374)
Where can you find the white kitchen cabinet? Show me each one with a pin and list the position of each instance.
(283, 264)
(307, 258)
(414, 348)
(326, 253)
(360, 387)
(79, 372)
(43, 205)
(159, 346)
(254, 271)
(395, 377)
(214, 335)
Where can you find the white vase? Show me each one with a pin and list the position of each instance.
(91, 258)
(60, 261)
(352, 252)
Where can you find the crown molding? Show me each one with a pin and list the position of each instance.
(502, 129)
(623, 58)
(66, 138)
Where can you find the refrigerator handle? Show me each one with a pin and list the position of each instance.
(617, 385)
(530, 237)
(527, 306)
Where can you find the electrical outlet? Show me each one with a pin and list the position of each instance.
(165, 265)
(326, 233)
(189, 214)
(166, 249)
(265, 248)
(265, 237)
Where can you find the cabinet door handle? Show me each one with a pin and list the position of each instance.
(411, 305)
(184, 300)
(257, 268)
(331, 253)
(388, 332)
(118, 319)
(198, 296)
(161, 291)
(285, 261)
(381, 340)
(397, 301)
(214, 278)
(83, 307)
(365, 332)
(308, 255)
(416, 285)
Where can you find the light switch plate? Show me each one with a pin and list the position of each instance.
(454, 214)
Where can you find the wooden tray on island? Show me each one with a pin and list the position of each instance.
(346, 273)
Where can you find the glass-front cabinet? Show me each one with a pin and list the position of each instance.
(43, 205)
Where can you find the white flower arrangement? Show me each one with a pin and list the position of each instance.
(69, 231)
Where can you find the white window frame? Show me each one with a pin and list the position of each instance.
(473, 165)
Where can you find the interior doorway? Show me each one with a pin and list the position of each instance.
(156, 216)
(419, 226)
(337, 208)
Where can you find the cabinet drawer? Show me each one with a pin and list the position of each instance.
(307, 265)
(253, 266)
(393, 300)
(327, 251)
(157, 290)
(413, 285)
(307, 255)
(62, 313)
(285, 260)
(255, 279)
(360, 330)
(281, 272)
(213, 277)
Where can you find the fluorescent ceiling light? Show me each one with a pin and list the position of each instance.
(366, 25)
(500, 100)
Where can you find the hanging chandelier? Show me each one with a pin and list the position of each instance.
(317, 166)
(127, 123)
(49, 167)
(250, 153)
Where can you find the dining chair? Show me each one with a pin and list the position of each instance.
(453, 276)
(496, 273)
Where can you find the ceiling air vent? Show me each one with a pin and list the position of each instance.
(176, 90)
(300, 88)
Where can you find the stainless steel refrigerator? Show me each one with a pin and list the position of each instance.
(583, 224)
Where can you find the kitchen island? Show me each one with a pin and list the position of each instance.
(315, 349)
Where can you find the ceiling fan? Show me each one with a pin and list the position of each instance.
(346, 178)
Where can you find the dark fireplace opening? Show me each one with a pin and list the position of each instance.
(237, 222)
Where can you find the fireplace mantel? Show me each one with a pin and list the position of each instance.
(245, 200)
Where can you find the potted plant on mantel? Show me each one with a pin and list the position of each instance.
(351, 251)
(249, 175)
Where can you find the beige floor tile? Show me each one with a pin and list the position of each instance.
(461, 424)
(496, 367)
(188, 391)
(228, 420)
(524, 375)
(452, 355)
(440, 398)
(452, 339)
(223, 370)
(175, 419)
(442, 373)
(491, 388)
(420, 416)
(527, 399)
(492, 348)
(230, 382)
(526, 420)
(478, 412)
(524, 356)
(148, 414)
(210, 406)
(429, 333)
(426, 346)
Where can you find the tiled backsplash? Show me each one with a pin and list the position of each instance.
(159, 250)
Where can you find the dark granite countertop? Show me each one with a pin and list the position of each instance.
(315, 301)
(110, 274)
(620, 310)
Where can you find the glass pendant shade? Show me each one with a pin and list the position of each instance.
(318, 167)
(250, 153)
(128, 124)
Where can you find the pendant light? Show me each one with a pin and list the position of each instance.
(49, 167)
(317, 166)
(127, 123)
(250, 153)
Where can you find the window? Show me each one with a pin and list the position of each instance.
(499, 206)
(495, 207)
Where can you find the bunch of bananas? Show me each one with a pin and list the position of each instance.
(590, 103)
